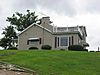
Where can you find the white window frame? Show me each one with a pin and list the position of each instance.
(60, 41)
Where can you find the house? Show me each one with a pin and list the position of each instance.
(57, 37)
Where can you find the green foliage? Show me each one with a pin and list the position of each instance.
(18, 22)
(31, 48)
(9, 34)
(76, 48)
(21, 21)
(46, 47)
(4, 42)
(55, 62)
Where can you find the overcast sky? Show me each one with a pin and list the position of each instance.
(61, 12)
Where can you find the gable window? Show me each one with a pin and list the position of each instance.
(63, 41)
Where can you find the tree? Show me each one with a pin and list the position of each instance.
(4, 42)
(9, 35)
(9, 32)
(21, 21)
(18, 22)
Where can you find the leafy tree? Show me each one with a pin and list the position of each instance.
(4, 43)
(9, 32)
(21, 21)
(9, 36)
(18, 22)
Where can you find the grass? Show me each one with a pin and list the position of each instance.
(55, 62)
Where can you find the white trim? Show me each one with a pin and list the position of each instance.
(33, 25)
(33, 38)
(67, 28)
(44, 28)
(60, 42)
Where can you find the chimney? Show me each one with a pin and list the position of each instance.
(45, 21)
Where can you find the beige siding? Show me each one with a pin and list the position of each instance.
(34, 32)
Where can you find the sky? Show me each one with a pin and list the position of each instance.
(61, 12)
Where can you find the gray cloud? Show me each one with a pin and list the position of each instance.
(92, 6)
(65, 6)
(60, 6)
(23, 4)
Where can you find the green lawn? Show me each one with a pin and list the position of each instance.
(55, 62)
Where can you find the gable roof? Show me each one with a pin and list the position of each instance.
(34, 24)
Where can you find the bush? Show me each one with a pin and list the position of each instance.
(85, 49)
(46, 47)
(12, 48)
(76, 48)
(33, 48)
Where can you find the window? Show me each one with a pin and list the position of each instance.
(63, 41)
(34, 42)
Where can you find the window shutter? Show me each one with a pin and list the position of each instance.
(55, 42)
(69, 41)
(58, 41)
(27, 42)
(40, 40)
(72, 40)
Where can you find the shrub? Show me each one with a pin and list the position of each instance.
(12, 48)
(33, 48)
(76, 48)
(85, 49)
(46, 47)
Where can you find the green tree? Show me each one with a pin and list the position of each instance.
(9, 35)
(21, 21)
(18, 22)
(4, 42)
(9, 32)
